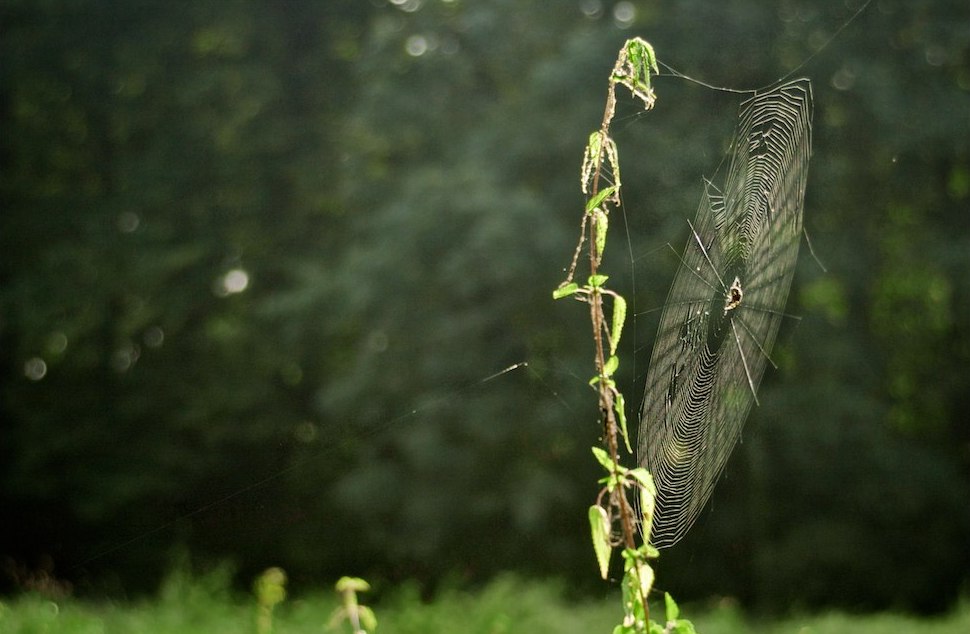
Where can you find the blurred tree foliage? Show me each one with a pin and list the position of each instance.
(256, 257)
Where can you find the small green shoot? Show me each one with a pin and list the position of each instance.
(675, 624)
(270, 589)
(361, 618)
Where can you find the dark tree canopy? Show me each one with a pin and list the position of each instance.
(256, 259)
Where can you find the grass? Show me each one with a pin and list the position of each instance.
(507, 605)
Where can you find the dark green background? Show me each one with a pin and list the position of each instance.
(402, 220)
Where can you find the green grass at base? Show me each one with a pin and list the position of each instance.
(507, 605)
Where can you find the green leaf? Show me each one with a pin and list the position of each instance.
(619, 317)
(602, 224)
(614, 158)
(637, 580)
(594, 145)
(645, 479)
(603, 458)
(648, 505)
(683, 626)
(619, 405)
(598, 280)
(648, 495)
(354, 584)
(367, 618)
(592, 158)
(673, 612)
(599, 528)
(565, 290)
(609, 368)
(645, 55)
(597, 380)
(635, 71)
(644, 572)
(598, 199)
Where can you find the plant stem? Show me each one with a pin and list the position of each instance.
(597, 317)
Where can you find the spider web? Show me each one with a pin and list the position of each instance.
(725, 306)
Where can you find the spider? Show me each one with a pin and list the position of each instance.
(733, 298)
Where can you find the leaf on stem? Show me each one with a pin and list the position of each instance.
(619, 317)
(643, 477)
(598, 199)
(633, 69)
(648, 495)
(673, 612)
(352, 584)
(598, 144)
(591, 161)
(599, 527)
(603, 458)
(675, 624)
(601, 224)
(367, 618)
(609, 368)
(565, 291)
(619, 406)
(639, 574)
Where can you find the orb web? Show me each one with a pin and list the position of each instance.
(725, 306)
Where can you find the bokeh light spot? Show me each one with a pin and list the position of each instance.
(624, 13)
(35, 369)
(235, 281)
(416, 45)
(843, 79)
(154, 337)
(407, 5)
(128, 222)
(57, 343)
(125, 357)
(591, 8)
